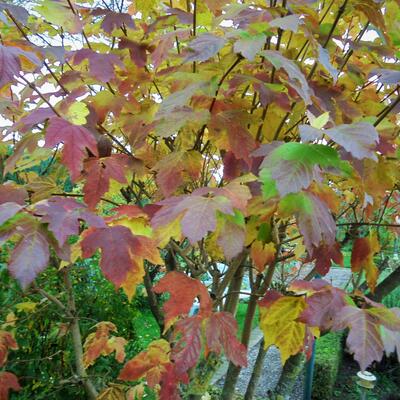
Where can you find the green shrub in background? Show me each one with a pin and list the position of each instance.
(328, 357)
(392, 299)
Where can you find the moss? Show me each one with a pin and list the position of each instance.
(328, 356)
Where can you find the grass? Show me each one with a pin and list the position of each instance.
(241, 316)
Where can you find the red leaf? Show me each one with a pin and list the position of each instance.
(137, 51)
(169, 384)
(99, 171)
(181, 301)
(10, 193)
(221, 332)
(121, 253)
(101, 66)
(114, 20)
(324, 256)
(64, 215)
(8, 381)
(76, 140)
(199, 213)
(7, 342)
(187, 350)
(322, 307)
(11, 64)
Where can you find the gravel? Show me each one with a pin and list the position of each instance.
(272, 367)
(271, 372)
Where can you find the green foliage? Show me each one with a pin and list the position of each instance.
(328, 357)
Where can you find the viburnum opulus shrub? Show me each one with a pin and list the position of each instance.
(173, 137)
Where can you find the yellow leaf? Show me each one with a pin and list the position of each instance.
(77, 113)
(319, 122)
(138, 226)
(76, 252)
(280, 328)
(163, 234)
(27, 306)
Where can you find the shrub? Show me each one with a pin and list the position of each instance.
(328, 357)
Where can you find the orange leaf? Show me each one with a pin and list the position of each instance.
(362, 258)
(262, 254)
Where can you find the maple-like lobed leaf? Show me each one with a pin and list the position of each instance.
(8, 381)
(359, 139)
(10, 59)
(101, 66)
(279, 323)
(99, 172)
(221, 330)
(151, 363)
(64, 215)
(364, 338)
(180, 303)
(76, 139)
(100, 343)
(187, 349)
(323, 307)
(11, 193)
(122, 254)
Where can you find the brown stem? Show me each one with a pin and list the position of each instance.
(77, 341)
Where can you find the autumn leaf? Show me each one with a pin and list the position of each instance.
(10, 59)
(8, 381)
(64, 215)
(262, 254)
(278, 322)
(101, 66)
(99, 172)
(76, 139)
(221, 330)
(180, 303)
(7, 342)
(150, 363)
(100, 343)
(204, 47)
(122, 254)
(294, 166)
(364, 339)
(359, 139)
(296, 79)
(324, 255)
(198, 213)
(323, 307)
(172, 168)
(114, 20)
(187, 349)
(313, 217)
(362, 258)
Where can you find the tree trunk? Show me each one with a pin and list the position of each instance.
(234, 371)
(292, 369)
(255, 375)
(232, 297)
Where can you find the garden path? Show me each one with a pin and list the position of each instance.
(272, 367)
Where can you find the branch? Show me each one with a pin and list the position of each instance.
(77, 341)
